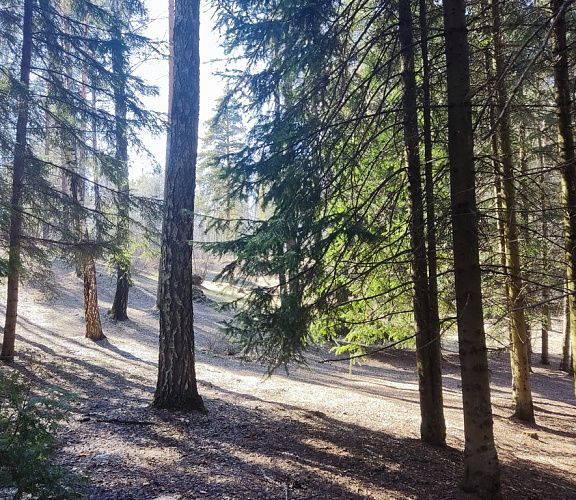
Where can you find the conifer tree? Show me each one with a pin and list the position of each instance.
(119, 310)
(70, 57)
(433, 427)
(510, 235)
(482, 469)
(176, 386)
(21, 159)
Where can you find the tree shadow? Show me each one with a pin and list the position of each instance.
(251, 448)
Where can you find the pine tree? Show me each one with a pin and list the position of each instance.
(119, 310)
(223, 141)
(176, 386)
(510, 235)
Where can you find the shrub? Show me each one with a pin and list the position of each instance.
(28, 422)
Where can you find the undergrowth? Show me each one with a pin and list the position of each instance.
(29, 419)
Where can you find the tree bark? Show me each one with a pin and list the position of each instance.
(86, 260)
(119, 311)
(567, 156)
(169, 120)
(521, 393)
(176, 386)
(429, 359)
(91, 311)
(20, 158)
(429, 174)
(565, 359)
(482, 469)
(546, 312)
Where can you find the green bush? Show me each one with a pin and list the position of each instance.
(28, 422)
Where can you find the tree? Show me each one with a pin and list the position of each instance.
(70, 57)
(565, 358)
(429, 358)
(567, 156)
(482, 470)
(176, 386)
(119, 311)
(519, 338)
(224, 140)
(21, 158)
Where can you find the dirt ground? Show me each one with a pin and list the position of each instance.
(322, 432)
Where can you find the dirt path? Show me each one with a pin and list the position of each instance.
(322, 432)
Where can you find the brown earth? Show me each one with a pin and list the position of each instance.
(322, 432)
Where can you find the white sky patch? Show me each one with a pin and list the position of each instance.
(155, 72)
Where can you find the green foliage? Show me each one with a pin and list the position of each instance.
(72, 171)
(321, 91)
(224, 140)
(28, 422)
(121, 259)
(328, 176)
(3, 268)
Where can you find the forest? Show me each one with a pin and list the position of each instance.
(359, 282)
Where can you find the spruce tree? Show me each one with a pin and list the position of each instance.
(482, 469)
(70, 59)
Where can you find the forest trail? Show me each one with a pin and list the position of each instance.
(326, 431)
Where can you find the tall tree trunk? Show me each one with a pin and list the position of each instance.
(176, 386)
(521, 393)
(565, 360)
(546, 322)
(20, 153)
(429, 359)
(429, 175)
(119, 311)
(86, 260)
(96, 172)
(546, 312)
(170, 94)
(562, 83)
(482, 469)
(523, 233)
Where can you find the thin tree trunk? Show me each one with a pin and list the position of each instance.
(546, 313)
(546, 322)
(565, 360)
(119, 311)
(498, 193)
(20, 153)
(482, 468)
(429, 175)
(96, 170)
(86, 260)
(176, 386)
(562, 83)
(521, 393)
(523, 233)
(429, 359)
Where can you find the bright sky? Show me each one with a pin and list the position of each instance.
(156, 73)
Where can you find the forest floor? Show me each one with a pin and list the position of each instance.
(326, 431)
